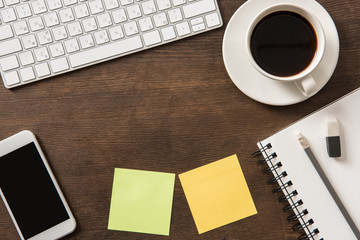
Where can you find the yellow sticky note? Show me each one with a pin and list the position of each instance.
(217, 194)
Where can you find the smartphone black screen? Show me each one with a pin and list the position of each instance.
(30, 192)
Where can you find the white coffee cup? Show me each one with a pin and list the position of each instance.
(303, 80)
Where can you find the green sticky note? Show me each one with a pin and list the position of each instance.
(141, 201)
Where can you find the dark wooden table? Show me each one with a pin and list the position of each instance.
(170, 109)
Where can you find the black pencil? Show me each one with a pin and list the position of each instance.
(327, 183)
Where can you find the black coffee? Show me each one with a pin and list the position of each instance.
(283, 43)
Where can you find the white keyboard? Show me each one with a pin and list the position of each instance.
(43, 38)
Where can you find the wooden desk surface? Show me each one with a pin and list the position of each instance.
(171, 109)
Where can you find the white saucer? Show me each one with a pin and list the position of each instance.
(254, 84)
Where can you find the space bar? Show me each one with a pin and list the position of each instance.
(106, 51)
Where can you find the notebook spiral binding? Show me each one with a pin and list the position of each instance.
(298, 215)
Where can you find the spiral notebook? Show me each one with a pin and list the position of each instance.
(310, 201)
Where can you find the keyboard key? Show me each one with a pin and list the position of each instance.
(10, 46)
(5, 32)
(163, 4)
(8, 15)
(160, 20)
(54, 4)
(104, 20)
(212, 20)
(145, 24)
(96, 6)
(148, 7)
(74, 29)
(36, 23)
(116, 33)
(198, 27)
(126, 2)
(20, 27)
(105, 52)
(41, 54)
(26, 58)
(183, 29)
(89, 24)
(59, 33)
(152, 38)
(11, 78)
(168, 33)
(131, 28)
(134, 11)
(56, 50)
(178, 2)
(196, 21)
(81, 11)
(111, 4)
(38, 6)
(69, 2)
(9, 63)
(42, 69)
(119, 16)
(59, 65)
(86, 41)
(66, 15)
(11, 2)
(198, 7)
(71, 45)
(175, 15)
(27, 74)
(101, 37)
(44, 37)
(23, 10)
(51, 19)
(29, 41)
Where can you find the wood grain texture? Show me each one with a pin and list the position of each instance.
(171, 109)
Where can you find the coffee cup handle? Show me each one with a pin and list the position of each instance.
(306, 85)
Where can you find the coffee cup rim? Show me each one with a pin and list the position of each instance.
(311, 18)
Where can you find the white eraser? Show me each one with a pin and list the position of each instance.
(333, 138)
(332, 127)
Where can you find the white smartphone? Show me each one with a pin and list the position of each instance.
(30, 191)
